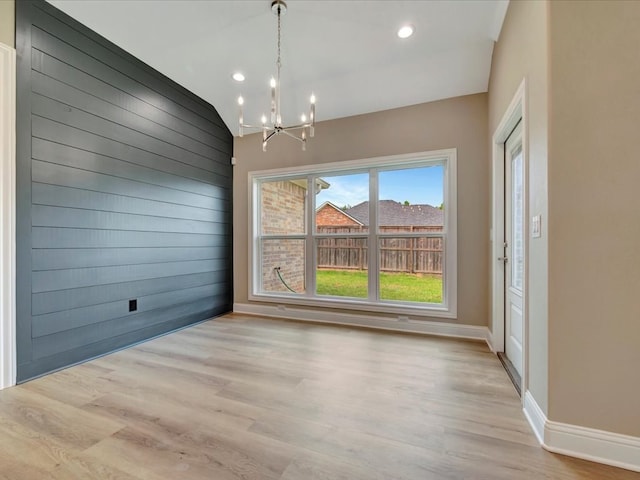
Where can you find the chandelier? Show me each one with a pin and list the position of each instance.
(275, 127)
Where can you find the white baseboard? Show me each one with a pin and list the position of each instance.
(490, 341)
(445, 329)
(535, 416)
(595, 445)
(587, 443)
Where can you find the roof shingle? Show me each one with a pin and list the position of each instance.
(392, 213)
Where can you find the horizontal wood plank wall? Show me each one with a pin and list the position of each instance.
(124, 192)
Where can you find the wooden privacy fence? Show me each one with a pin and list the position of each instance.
(400, 254)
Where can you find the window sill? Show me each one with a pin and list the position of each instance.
(360, 305)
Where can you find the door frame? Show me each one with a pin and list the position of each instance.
(7, 216)
(517, 110)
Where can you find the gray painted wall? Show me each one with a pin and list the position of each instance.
(124, 192)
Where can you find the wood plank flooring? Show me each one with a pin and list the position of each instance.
(242, 397)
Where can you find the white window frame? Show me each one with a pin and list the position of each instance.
(7, 216)
(447, 309)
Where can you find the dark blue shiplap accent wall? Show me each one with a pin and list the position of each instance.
(124, 192)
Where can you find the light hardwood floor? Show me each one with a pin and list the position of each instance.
(247, 398)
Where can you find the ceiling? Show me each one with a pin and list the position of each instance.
(346, 52)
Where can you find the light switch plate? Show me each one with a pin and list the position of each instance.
(536, 226)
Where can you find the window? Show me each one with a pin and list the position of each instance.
(376, 234)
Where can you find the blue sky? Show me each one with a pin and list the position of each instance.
(417, 185)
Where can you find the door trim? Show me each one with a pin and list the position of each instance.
(517, 110)
(514, 292)
(7, 216)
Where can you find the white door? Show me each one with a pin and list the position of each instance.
(514, 247)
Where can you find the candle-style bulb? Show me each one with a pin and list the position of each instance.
(312, 116)
(303, 117)
(263, 119)
(240, 101)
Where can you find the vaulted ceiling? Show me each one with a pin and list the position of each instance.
(346, 52)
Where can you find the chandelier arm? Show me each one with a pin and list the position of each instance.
(292, 135)
(298, 127)
(275, 132)
(282, 129)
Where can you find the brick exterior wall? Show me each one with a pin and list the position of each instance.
(282, 207)
(329, 215)
(289, 256)
(282, 212)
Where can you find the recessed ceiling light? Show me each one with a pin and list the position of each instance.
(406, 31)
(238, 77)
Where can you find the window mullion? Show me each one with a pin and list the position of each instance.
(310, 247)
(374, 257)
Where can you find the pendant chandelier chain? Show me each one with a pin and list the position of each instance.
(279, 30)
(278, 65)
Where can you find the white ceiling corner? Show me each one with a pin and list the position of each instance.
(345, 52)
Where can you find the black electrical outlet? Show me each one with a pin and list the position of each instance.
(133, 305)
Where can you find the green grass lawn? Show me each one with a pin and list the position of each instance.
(393, 286)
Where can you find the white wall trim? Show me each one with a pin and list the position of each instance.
(445, 329)
(509, 120)
(535, 416)
(516, 110)
(7, 216)
(613, 449)
(594, 445)
(490, 341)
